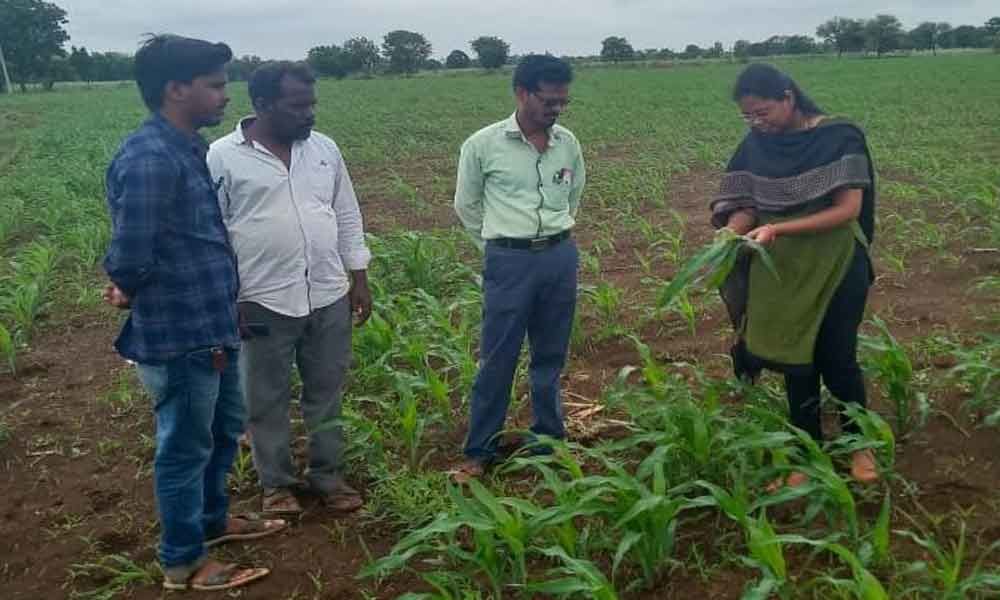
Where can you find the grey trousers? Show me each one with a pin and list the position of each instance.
(320, 345)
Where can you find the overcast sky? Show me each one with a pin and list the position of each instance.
(288, 28)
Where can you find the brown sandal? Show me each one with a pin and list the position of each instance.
(248, 527)
(467, 470)
(215, 576)
(342, 497)
(280, 502)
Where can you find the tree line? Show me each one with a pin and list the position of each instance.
(402, 51)
(879, 35)
(33, 35)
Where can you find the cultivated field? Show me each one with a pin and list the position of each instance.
(658, 493)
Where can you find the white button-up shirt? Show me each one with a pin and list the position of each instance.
(296, 232)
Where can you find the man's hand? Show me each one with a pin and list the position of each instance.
(360, 297)
(115, 297)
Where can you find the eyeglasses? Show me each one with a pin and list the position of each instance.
(552, 102)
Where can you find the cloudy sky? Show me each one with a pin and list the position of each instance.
(288, 28)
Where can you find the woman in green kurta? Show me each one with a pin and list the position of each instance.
(803, 184)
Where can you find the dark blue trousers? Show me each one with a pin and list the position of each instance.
(529, 292)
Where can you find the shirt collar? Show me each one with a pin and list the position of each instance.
(238, 136)
(512, 129)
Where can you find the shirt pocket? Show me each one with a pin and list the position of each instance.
(321, 182)
(557, 187)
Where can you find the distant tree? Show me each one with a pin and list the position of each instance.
(240, 69)
(57, 69)
(32, 36)
(741, 49)
(799, 44)
(329, 61)
(775, 44)
(666, 54)
(927, 35)
(992, 26)
(846, 35)
(82, 62)
(967, 36)
(458, 60)
(692, 51)
(883, 34)
(758, 49)
(361, 54)
(432, 64)
(406, 51)
(716, 51)
(113, 66)
(616, 49)
(492, 52)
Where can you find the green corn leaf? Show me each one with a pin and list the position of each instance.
(765, 546)
(762, 590)
(724, 268)
(880, 533)
(7, 349)
(688, 273)
(624, 546)
(561, 587)
(765, 258)
(644, 505)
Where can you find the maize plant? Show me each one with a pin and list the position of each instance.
(888, 361)
(717, 260)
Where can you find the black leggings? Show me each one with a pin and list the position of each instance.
(835, 358)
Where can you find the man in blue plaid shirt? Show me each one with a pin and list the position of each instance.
(171, 265)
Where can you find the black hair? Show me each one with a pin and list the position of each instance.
(164, 58)
(537, 68)
(766, 81)
(265, 82)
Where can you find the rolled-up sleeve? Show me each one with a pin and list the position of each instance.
(350, 226)
(139, 192)
(469, 197)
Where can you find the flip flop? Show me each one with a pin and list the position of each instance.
(467, 470)
(341, 497)
(280, 502)
(228, 577)
(253, 528)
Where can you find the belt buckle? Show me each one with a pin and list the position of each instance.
(538, 244)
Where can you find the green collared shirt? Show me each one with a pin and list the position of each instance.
(507, 189)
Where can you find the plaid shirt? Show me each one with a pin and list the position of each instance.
(169, 252)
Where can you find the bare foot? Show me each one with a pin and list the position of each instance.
(792, 480)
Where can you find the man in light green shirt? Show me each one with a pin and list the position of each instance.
(517, 194)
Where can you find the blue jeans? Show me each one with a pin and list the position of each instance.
(199, 418)
(524, 291)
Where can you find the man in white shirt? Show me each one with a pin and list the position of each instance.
(296, 228)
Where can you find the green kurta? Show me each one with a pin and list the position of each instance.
(784, 316)
(779, 178)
